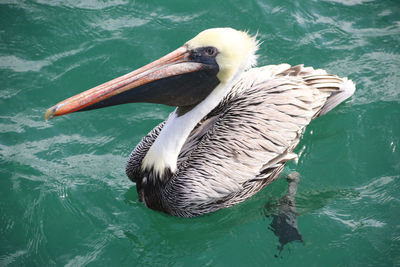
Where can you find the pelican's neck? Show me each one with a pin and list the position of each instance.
(163, 154)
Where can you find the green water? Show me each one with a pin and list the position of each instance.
(64, 196)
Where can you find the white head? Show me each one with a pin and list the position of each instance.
(236, 50)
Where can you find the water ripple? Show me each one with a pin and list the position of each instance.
(351, 222)
(351, 2)
(20, 122)
(21, 65)
(8, 259)
(378, 191)
(8, 93)
(34, 155)
(17, 64)
(114, 24)
(95, 249)
(87, 4)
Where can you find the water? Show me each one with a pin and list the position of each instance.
(65, 199)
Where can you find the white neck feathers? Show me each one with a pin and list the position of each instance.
(163, 154)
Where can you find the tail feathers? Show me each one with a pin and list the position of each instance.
(346, 89)
(332, 89)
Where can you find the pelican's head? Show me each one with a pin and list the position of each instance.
(183, 78)
(235, 50)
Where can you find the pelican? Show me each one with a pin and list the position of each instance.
(234, 126)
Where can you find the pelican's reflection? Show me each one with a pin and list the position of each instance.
(284, 215)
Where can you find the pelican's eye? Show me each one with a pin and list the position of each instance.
(210, 51)
(204, 54)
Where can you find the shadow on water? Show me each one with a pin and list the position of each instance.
(284, 211)
(284, 214)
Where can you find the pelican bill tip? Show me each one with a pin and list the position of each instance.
(50, 113)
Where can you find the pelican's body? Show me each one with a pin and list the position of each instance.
(242, 145)
(228, 139)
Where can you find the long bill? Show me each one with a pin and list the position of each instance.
(174, 80)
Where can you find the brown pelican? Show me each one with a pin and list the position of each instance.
(234, 126)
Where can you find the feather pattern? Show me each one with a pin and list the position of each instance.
(243, 144)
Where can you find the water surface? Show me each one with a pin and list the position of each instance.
(65, 199)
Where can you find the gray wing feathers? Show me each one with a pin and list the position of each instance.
(258, 125)
(346, 90)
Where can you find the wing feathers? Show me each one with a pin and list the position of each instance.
(260, 123)
(346, 89)
(243, 144)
